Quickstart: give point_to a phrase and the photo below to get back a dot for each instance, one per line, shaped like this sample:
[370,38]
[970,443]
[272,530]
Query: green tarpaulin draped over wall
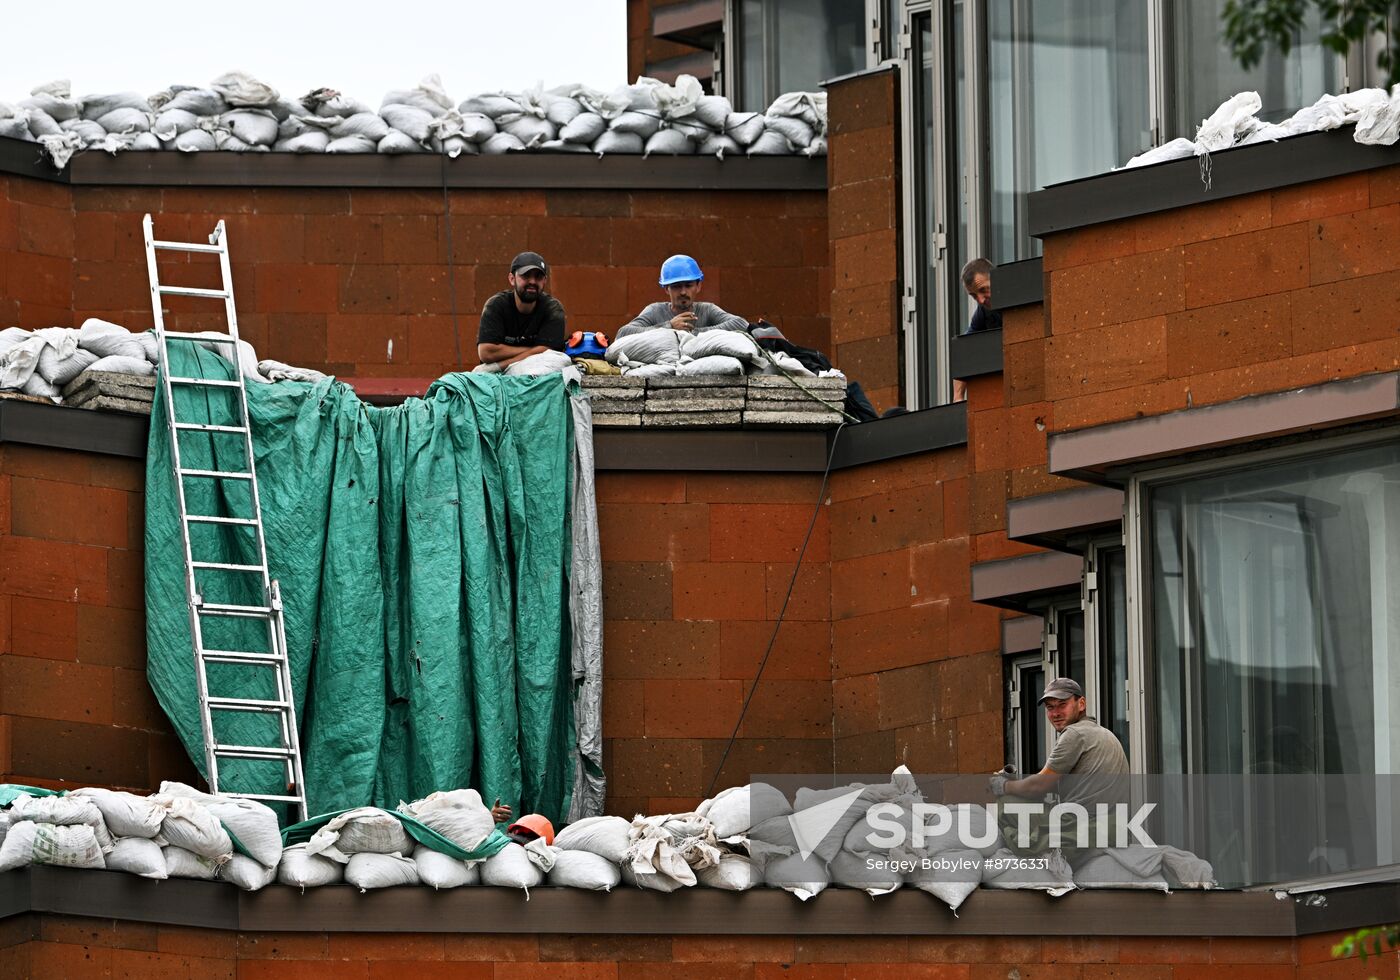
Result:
[424,553]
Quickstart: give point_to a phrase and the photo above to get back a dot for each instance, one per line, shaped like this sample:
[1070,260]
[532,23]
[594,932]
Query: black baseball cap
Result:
[1062,688]
[526,261]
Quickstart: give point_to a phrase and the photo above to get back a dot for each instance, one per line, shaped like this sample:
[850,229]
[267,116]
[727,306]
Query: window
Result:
[793,45]
[1025,722]
[1109,606]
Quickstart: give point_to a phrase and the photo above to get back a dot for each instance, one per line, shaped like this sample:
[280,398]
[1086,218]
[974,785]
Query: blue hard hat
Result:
[680,268]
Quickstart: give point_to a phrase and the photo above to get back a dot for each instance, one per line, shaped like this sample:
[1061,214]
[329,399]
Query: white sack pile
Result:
[1375,114]
[238,113]
[663,352]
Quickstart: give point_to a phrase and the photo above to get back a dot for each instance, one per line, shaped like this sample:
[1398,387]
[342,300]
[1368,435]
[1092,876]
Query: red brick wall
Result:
[863,216]
[59,946]
[916,670]
[74,701]
[328,278]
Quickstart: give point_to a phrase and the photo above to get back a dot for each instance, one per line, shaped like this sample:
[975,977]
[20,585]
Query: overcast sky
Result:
[362,48]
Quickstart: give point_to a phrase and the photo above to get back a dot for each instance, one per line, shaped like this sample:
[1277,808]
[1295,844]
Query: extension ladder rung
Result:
[186,247]
[195,291]
[217,474]
[268,798]
[252,752]
[233,611]
[211,519]
[208,337]
[205,427]
[227,566]
[247,704]
[248,659]
[205,382]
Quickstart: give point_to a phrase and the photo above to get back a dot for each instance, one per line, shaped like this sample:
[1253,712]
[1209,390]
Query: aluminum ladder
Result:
[268,611]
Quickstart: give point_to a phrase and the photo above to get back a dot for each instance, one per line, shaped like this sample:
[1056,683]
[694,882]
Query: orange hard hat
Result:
[534,825]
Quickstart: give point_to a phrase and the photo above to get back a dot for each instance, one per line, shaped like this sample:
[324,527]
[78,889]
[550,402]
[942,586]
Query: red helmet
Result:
[530,826]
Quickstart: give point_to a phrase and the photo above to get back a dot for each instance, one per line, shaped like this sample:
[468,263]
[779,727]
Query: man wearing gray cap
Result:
[1083,749]
[523,319]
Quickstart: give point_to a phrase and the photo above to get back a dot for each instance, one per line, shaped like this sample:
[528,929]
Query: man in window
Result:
[681,278]
[522,320]
[977,281]
[1085,751]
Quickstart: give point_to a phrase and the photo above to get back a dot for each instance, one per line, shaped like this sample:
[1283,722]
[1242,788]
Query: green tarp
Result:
[423,553]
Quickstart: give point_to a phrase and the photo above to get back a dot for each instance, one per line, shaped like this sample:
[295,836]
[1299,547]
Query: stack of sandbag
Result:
[589,853]
[663,352]
[711,401]
[370,846]
[798,401]
[42,362]
[56,830]
[614,399]
[238,113]
[665,852]
[135,824]
[213,836]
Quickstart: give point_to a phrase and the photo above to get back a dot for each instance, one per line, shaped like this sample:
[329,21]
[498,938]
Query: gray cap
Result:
[1061,688]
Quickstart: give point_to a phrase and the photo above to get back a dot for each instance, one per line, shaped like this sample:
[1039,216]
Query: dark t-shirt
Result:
[502,323]
[984,319]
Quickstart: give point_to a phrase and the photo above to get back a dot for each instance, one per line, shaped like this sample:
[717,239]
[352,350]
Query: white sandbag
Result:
[582,869]
[731,343]
[660,345]
[816,148]
[39,388]
[713,111]
[454,146]
[1177,149]
[149,345]
[511,867]
[745,128]
[368,124]
[278,371]
[397,142]
[1379,123]
[669,142]
[126,814]
[529,130]
[1103,871]
[256,127]
[718,146]
[612,142]
[198,101]
[352,144]
[61,148]
[1049,872]
[312,141]
[715,364]
[1220,129]
[125,120]
[849,870]
[366,829]
[810,107]
[181,863]
[226,141]
[444,871]
[145,143]
[27,842]
[734,873]
[284,109]
[41,123]
[253,823]
[247,874]
[138,856]
[559,146]
[561,110]
[97,106]
[459,815]
[489,104]
[545,362]
[114,143]
[14,123]
[950,876]
[831,842]
[241,89]
[188,824]
[119,364]
[304,870]
[84,129]
[415,123]
[797,132]
[173,122]
[500,144]
[583,128]
[63,811]
[366,871]
[643,124]
[804,877]
[738,808]
[58,369]
[649,882]
[606,837]
[476,127]
[105,339]
[771,144]
[195,141]
[54,99]
[329,103]
[432,102]
[649,370]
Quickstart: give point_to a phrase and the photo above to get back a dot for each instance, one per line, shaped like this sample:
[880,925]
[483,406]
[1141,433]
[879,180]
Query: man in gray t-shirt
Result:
[681,278]
[1084,750]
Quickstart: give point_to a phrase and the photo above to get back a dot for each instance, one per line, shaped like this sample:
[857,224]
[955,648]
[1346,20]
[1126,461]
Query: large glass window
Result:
[1205,74]
[793,45]
[1068,97]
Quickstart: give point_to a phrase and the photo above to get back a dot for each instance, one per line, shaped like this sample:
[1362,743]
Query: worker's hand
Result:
[683,321]
[500,812]
[997,784]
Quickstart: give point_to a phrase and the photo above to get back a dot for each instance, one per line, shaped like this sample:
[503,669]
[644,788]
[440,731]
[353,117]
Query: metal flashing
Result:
[1049,519]
[974,354]
[1018,284]
[1017,583]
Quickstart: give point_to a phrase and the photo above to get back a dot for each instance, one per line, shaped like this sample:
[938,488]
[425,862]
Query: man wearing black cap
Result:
[523,319]
[1083,749]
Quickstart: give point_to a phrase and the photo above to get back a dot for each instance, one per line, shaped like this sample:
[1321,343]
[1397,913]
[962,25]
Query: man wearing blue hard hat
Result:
[681,278]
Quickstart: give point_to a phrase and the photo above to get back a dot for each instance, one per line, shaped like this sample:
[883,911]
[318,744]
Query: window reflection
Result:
[793,45]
